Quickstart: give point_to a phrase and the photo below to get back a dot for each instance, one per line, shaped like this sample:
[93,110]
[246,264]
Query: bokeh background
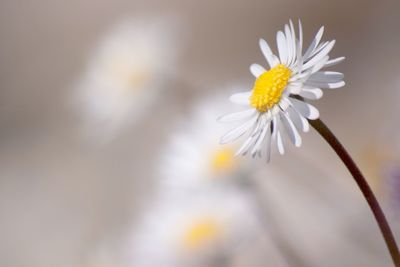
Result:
[73,190]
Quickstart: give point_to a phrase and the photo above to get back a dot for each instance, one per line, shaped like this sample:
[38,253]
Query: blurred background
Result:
[108,152]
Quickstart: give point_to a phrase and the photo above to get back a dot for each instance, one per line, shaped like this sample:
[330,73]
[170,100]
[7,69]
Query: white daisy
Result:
[276,102]
[193,231]
[126,73]
[193,157]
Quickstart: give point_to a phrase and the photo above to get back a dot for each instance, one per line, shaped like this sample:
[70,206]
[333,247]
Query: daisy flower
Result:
[276,102]
[193,231]
[126,73]
[193,157]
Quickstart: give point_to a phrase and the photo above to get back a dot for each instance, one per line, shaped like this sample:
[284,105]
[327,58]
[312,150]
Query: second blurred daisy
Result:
[126,73]
[194,157]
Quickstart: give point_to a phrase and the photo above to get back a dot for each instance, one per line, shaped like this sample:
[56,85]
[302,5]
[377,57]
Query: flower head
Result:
[276,102]
[193,158]
[194,230]
[126,73]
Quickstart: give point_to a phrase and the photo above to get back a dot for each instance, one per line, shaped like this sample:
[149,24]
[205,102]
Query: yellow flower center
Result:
[223,161]
[131,76]
[201,233]
[268,88]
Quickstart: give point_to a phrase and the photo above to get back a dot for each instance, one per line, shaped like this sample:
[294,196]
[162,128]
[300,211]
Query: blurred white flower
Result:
[198,230]
[273,106]
[126,74]
[193,157]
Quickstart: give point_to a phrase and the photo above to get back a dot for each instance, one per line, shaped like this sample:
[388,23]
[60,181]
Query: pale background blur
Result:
[60,196]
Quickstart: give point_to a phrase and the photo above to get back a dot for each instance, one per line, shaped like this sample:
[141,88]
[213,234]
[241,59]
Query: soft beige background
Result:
[59,196]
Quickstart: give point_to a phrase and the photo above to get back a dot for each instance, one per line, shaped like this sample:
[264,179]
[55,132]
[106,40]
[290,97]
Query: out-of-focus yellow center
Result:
[127,74]
[201,233]
[223,160]
[269,86]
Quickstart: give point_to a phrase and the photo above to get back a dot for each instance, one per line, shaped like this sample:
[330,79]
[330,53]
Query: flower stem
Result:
[324,131]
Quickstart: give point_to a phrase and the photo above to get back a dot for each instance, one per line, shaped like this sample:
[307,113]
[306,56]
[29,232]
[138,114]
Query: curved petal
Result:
[294,88]
[267,144]
[300,44]
[240,98]
[326,77]
[334,62]
[319,65]
[280,144]
[299,49]
[294,42]
[237,132]
[299,121]
[260,139]
[312,93]
[289,45]
[291,130]
[305,109]
[237,116]
[257,70]
[314,43]
[326,85]
[319,48]
[282,47]
[267,52]
[244,148]
[319,56]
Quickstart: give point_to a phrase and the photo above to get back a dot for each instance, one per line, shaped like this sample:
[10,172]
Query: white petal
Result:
[334,61]
[267,144]
[300,42]
[275,60]
[336,85]
[267,52]
[282,48]
[319,56]
[319,48]
[305,109]
[305,123]
[301,76]
[326,77]
[237,116]
[257,126]
[257,70]
[327,85]
[237,132]
[289,45]
[294,42]
[240,98]
[257,131]
[312,94]
[276,135]
[279,141]
[260,139]
[294,88]
[291,130]
[299,121]
[314,43]
[319,65]
[245,146]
